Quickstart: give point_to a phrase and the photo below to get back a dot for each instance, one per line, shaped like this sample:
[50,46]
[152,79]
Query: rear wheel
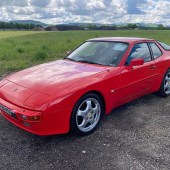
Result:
[165,86]
[86,114]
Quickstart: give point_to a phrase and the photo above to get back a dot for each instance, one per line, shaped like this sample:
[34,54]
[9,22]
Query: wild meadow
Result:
[22,49]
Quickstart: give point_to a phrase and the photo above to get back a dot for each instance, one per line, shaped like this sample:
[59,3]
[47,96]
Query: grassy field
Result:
[22,49]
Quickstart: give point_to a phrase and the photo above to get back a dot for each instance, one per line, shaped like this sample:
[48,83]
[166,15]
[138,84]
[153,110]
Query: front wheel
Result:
[165,86]
[86,114]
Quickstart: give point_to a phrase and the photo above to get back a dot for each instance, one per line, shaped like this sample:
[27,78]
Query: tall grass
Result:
[22,49]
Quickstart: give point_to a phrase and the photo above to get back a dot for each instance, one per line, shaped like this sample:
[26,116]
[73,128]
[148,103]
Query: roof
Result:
[121,39]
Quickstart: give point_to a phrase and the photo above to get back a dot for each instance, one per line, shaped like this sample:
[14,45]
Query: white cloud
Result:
[96,5]
[100,11]
[20,3]
[40,3]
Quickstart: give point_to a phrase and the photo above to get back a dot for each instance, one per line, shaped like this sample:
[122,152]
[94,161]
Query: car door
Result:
[137,80]
[161,67]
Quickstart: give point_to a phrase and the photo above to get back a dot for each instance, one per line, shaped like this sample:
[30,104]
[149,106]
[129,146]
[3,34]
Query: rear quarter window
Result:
[155,50]
[165,46]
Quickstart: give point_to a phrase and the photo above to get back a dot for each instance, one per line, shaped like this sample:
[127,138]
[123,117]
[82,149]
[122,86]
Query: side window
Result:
[155,49]
[140,50]
[165,46]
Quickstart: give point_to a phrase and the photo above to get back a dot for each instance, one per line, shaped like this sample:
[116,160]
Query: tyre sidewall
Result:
[162,90]
[73,124]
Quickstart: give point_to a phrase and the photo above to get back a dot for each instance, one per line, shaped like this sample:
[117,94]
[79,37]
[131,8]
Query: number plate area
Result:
[8,111]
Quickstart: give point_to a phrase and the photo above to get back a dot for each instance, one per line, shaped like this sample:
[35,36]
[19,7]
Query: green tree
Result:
[161,27]
[131,26]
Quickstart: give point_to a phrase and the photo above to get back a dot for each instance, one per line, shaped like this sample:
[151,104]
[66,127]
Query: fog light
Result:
[23,117]
[31,117]
[26,124]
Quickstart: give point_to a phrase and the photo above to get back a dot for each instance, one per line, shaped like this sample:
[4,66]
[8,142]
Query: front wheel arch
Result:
[73,125]
[100,96]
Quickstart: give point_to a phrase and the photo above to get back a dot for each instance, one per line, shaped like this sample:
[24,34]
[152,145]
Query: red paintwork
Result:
[52,89]
[137,62]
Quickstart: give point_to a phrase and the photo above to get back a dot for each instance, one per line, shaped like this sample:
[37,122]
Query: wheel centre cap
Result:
[89,115]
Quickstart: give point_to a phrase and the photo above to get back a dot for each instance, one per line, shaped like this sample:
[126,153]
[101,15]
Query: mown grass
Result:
[7,34]
[22,49]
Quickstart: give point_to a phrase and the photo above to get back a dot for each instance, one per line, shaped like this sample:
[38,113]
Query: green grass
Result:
[22,49]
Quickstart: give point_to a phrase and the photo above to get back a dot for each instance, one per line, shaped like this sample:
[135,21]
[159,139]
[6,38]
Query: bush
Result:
[20,50]
[40,56]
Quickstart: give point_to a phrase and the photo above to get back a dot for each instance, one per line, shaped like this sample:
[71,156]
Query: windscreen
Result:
[96,52]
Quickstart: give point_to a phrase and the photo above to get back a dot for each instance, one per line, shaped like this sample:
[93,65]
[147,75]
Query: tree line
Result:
[104,27]
[65,27]
[17,26]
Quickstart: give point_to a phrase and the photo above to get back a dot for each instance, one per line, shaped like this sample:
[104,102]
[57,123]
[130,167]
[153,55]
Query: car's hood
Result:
[53,77]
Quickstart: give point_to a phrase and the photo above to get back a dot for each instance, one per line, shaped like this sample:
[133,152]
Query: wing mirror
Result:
[136,62]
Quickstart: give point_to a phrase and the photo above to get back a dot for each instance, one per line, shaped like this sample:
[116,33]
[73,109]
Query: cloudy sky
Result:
[98,11]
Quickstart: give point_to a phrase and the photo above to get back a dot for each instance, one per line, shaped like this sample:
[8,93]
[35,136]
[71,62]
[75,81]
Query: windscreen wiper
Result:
[83,61]
[89,62]
[70,59]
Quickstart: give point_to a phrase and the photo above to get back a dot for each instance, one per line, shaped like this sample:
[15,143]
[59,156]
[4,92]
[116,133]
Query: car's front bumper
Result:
[56,122]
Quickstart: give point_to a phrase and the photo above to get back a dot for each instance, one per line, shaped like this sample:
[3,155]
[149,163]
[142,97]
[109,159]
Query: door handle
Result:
[152,67]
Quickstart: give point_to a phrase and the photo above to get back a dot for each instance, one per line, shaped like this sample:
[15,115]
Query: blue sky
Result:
[98,11]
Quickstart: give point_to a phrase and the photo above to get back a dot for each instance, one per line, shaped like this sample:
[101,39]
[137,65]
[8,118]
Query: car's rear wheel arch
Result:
[161,90]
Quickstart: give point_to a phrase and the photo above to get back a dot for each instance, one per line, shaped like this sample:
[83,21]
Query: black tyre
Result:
[86,114]
[164,90]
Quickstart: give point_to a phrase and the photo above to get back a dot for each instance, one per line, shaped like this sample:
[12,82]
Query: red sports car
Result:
[74,93]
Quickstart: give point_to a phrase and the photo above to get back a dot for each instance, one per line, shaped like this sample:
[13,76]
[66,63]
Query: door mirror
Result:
[136,62]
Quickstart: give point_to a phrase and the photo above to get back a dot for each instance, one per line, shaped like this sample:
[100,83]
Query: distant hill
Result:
[83,24]
[147,25]
[87,24]
[115,24]
[30,22]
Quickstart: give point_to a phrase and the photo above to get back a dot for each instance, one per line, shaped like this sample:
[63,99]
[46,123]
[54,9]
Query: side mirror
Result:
[136,62]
